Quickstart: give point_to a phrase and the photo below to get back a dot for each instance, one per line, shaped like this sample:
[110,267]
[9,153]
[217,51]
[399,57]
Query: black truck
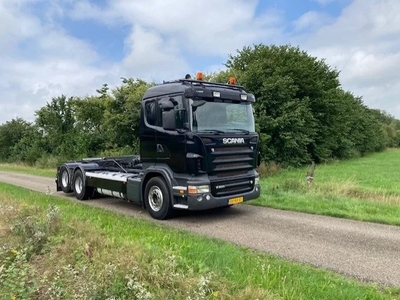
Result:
[198,150]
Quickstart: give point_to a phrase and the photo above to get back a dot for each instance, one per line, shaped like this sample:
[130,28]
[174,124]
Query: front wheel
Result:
[157,199]
[81,191]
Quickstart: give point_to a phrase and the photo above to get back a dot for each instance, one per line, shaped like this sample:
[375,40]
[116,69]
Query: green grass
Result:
[21,168]
[364,189]
[136,258]
[378,172]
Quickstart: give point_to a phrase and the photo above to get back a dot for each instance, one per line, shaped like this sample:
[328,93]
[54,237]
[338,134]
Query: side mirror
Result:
[173,100]
[166,105]
[168,119]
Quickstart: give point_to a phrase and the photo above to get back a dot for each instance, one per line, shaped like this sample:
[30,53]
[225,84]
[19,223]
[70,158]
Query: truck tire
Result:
[81,191]
[64,180]
[157,199]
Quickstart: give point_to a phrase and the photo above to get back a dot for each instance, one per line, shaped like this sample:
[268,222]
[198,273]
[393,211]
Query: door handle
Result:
[160,148]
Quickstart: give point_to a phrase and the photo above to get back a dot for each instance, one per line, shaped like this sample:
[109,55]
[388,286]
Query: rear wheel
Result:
[81,191]
[65,180]
[157,199]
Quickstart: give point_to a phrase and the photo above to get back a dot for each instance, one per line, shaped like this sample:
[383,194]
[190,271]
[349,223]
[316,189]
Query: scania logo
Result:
[233,140]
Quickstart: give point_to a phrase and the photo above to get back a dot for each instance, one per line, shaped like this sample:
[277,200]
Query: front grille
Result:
[228,162]
[229,166]
[231,160]
[230,149]
[230,173]
[232,187]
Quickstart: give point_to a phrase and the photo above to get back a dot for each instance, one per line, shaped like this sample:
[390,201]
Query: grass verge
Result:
[53,248]
[365,189]
[20,168]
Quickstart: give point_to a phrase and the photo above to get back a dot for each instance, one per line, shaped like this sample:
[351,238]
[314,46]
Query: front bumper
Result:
[208,201]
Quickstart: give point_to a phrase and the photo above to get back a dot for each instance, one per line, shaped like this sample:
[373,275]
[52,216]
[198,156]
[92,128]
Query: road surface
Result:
[366,251]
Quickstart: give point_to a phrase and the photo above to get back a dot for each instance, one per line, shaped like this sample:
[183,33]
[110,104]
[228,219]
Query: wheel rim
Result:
[155,198]
[78,185]
[64,178]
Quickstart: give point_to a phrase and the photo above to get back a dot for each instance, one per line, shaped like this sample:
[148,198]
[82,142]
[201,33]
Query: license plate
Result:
[235,200]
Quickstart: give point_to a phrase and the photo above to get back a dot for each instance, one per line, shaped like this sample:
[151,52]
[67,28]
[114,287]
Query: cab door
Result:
[148,131]
[171,144]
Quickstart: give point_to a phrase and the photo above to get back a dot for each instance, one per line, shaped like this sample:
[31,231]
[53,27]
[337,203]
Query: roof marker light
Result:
[199,76]
[232,80]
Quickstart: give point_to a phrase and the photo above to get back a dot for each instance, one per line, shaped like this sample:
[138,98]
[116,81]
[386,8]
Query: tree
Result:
[89,114]
[10,134]
[29,147]
[57,124]
[122,115]
[302,113]
[291,89]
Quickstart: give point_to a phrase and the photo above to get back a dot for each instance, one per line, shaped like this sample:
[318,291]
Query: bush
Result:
[269,169]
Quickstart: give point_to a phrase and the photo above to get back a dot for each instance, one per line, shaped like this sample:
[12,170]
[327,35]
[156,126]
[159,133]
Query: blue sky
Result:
[72,47]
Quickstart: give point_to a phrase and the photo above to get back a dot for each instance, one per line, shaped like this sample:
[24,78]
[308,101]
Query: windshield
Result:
[221,116]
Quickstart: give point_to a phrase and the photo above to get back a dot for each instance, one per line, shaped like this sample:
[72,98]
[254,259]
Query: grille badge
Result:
[233,140]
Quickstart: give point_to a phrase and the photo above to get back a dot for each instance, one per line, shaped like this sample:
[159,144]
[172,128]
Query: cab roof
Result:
[182,85]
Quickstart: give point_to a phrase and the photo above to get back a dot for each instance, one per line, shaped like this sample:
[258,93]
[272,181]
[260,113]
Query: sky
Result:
[72,47]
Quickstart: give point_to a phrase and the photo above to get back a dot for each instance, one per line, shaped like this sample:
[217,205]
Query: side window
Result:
[151,114]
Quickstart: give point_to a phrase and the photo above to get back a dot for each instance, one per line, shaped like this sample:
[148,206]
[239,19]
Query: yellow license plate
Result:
[235,200]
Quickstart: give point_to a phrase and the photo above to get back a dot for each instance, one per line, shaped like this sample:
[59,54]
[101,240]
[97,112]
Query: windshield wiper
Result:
[240,129]
[216,131]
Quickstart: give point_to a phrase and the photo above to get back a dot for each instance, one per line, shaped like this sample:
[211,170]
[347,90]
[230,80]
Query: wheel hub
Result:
[155,198]
[78,185]
[64,178]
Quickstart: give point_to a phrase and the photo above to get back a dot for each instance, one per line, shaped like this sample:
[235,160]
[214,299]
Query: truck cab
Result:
[198,150]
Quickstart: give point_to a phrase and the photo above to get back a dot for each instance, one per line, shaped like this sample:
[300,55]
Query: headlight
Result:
[198,189]
[257,180]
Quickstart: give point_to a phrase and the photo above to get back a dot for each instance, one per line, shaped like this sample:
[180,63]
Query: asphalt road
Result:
[366,251]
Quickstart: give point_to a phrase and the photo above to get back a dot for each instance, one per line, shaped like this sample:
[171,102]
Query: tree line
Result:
[302,115]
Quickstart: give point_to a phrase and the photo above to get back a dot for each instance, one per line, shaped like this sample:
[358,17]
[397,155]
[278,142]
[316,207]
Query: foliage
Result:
[33,230]
[123,113]
[302,114]
[301,110]
[17,140]
[97,254]
[72,128]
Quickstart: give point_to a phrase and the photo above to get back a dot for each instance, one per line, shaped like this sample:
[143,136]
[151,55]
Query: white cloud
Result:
[167,37]
[40,61]
[311,20]
[13,27]
[363,43]
[86,10]
[147,52]
[205,27]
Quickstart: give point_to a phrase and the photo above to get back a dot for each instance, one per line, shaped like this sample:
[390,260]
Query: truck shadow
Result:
[219,213]
[131,209]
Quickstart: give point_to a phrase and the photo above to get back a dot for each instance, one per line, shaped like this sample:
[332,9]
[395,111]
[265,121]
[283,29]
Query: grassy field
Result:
[20,168]
[57,249]
[366,189]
